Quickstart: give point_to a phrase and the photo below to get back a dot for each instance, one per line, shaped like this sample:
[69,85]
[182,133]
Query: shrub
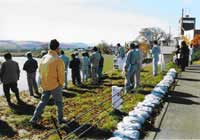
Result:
[196,55]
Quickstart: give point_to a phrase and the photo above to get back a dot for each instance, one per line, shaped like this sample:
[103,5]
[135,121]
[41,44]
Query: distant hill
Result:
[35,45]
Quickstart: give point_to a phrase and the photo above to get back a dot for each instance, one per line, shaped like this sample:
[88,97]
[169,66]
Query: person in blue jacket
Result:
[85,61]
[131,67]
[155,55]
[66,62]
[121,51]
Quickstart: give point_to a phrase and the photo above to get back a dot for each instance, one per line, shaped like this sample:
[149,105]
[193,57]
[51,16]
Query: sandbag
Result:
[147,103]
[144,114]
[160,90]
[157,94]
[129,126]
[130,134]
[117,138]
[152,101]
[133,119]
[153,97]
[144,108]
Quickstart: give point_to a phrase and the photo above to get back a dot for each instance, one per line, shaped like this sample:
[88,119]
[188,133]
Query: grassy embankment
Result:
[14,122]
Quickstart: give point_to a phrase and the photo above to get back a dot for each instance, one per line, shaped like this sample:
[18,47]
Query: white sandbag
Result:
[151,96]
[160,90]
[144,114]
[133,135]
[151,101]
[168,79]
[144,108]
[173,75]
[129,126]
[157,94]
[133,119]
[141,119]
[172,70]
[163,83]
[117,138]
[116,97]
[148,103]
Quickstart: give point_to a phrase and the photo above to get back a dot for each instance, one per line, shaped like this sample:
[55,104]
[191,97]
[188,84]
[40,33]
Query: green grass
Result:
[108,63]
[77,100]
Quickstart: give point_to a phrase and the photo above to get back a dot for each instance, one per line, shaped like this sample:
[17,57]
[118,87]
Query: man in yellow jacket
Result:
[52,76]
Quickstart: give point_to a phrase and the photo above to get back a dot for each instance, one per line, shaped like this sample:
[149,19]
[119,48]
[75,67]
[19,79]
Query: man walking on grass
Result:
[52,76]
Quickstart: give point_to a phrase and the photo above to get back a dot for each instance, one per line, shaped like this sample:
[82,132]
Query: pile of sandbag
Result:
[129,128]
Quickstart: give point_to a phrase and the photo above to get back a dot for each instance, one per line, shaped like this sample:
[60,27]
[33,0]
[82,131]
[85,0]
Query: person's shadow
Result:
[87,131]
[22,108]
[6,130]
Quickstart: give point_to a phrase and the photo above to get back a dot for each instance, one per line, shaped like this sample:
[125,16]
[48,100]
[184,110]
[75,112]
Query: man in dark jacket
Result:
[184,55]
[30,66]
[74,65]
[9,74]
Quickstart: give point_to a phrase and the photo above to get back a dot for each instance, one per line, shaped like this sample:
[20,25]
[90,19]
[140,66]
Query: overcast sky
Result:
[88,21]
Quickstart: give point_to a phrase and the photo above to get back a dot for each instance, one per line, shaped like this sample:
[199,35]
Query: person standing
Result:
[52,76]
[184,55]
[30,66]
[178,50]
[89,65]
[155,53]
[66,62]
[85,67]
[131,67]
[139,54]
[100,69]
[94,59]
[121,51]
[74,65]
[9,74]
[191,52]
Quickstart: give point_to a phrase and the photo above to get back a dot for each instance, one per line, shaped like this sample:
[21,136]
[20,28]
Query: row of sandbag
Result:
[130,126]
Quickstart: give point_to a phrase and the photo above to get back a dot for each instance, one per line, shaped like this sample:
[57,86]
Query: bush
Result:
[196,55]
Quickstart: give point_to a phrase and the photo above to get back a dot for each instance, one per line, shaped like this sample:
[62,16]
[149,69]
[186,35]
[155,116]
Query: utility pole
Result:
[182,31]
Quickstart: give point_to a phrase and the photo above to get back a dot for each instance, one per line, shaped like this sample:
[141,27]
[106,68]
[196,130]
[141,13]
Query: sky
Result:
[89,21]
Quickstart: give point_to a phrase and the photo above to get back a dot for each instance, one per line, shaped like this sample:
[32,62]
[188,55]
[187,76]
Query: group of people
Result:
[184,55]
[89,65]
[133,63]
[53,70]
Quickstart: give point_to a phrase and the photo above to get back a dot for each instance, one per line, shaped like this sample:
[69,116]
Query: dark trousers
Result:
[32,83]
[76,76]
[184,63]
[13,87]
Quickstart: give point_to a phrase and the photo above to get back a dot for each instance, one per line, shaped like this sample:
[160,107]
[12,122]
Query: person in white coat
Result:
[155,55]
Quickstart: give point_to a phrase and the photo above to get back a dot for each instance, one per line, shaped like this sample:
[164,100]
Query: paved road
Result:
[181,117]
